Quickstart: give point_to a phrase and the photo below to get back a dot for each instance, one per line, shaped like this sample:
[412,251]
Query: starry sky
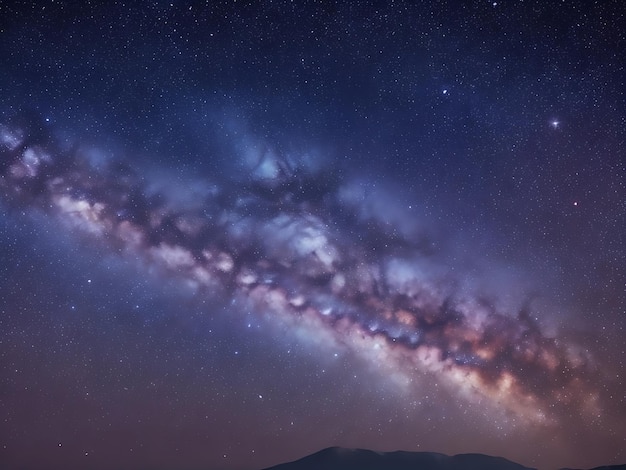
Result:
[235,233]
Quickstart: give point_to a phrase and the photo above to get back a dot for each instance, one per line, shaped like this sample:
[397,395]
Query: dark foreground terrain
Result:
[336,458]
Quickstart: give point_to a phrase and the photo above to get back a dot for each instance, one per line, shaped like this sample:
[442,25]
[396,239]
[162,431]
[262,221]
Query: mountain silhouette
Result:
[337,458]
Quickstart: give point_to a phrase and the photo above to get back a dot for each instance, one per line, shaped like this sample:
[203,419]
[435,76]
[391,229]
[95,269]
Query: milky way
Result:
[235,233]
[303,248]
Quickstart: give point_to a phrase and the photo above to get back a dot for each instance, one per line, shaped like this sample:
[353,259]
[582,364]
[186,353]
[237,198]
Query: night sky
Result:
[235,233]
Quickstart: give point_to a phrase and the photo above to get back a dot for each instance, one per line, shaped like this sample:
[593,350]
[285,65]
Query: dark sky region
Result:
[235,233]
